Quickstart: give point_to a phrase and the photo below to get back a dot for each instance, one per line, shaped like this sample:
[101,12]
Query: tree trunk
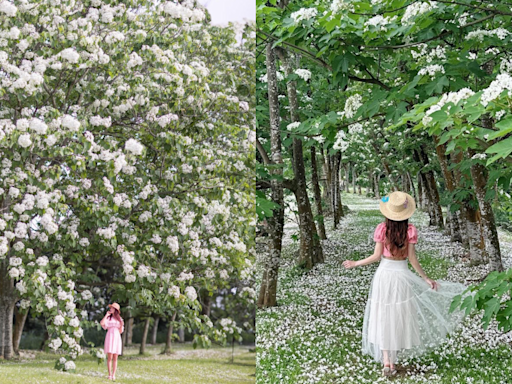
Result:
[370,187]
[492,244]
[476,245]
[19,324]
[470,222]
[346,182]
[354,177]
[432,187]
[420,192]
[168,340]
[411,186]
[7,303]
[46,337]
[181,335]
[129,331]
[206,302]
[376,185]
[450,186]
[318,195]
[310,247]
[337,207]
[268,289]
[155,330]
[328,175]
[144,336]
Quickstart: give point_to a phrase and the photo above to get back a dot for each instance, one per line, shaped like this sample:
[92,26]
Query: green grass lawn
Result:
[185,365]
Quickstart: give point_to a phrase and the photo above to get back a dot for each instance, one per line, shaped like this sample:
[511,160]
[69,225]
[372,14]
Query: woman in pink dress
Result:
[114,324]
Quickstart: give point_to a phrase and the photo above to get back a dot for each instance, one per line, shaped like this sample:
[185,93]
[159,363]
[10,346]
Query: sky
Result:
[223,11]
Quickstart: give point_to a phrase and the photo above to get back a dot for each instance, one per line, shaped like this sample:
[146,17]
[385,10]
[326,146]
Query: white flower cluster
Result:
[303,74]
[70,55]
[21,287]
[4,246]
[185,276]
[134,61]
[86,295]
[172,243]
[500,114]
[264,79]
[8,8]
[355,128]
[479,156]
[506,65]
[503,82]
[416,9]
[379,22]
[134,147]
[293,126]
[178,11]
[69,365]
[174,291]
[191,293]
[229,325]
[100,354]
[450,97]
[479,34]
[55,343]
[49,226]
[431,70]
[98,120]
[303,14]
[338,6]
[352,105]
[340,143]
[70,123]
[439,52]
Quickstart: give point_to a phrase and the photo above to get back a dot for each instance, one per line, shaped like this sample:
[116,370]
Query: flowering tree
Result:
[416,96]
[127,150]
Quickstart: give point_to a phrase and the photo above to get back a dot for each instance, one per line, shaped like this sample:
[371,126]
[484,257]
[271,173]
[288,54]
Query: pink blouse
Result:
[380,236]
[113,324]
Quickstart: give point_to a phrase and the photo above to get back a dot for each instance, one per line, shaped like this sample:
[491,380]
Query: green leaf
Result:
[455,303]
[504,126]
[501,149]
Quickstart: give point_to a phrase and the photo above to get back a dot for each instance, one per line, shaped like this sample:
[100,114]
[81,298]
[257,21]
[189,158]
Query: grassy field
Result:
[184,366]
[314,334]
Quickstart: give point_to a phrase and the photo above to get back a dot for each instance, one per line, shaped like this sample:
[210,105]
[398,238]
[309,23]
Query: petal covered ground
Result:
[314,334]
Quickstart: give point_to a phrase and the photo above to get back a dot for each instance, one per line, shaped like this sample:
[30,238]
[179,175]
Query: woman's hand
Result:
[433,284]
[349,264]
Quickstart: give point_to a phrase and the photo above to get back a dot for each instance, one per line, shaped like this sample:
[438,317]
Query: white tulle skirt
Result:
[404,317]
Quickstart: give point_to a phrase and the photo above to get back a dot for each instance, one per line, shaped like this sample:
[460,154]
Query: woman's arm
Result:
[121,328]
[416,265]
[377,252]
[103,321]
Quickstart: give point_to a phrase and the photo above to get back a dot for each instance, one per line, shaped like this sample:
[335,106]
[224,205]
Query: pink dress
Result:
[113,342]
[380,236]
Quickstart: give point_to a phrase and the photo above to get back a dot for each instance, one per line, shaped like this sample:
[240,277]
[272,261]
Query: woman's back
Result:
[380,237]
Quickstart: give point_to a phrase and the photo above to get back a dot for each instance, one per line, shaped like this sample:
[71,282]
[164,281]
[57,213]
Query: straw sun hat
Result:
[116,306]
[397,206]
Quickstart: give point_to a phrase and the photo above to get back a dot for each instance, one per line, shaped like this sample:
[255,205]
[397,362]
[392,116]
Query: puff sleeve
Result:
[380,233]
[412,234]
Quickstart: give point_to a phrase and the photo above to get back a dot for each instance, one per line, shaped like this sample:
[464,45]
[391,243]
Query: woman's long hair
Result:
[396,237]
[116,315]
